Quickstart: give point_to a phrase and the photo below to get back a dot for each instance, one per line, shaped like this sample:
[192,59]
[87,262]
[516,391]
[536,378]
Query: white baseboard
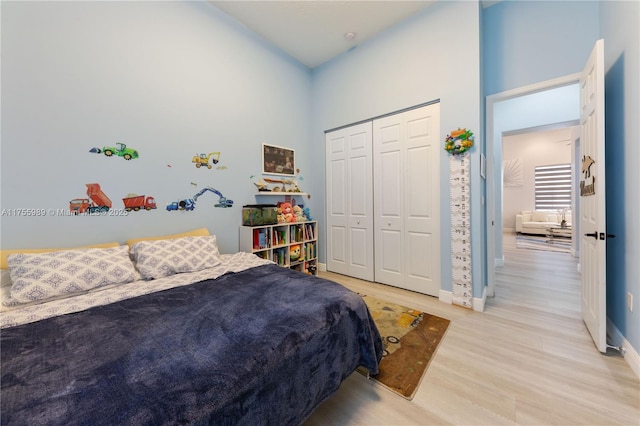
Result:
[322,267]
[477,303]
[445,296]
[630,354]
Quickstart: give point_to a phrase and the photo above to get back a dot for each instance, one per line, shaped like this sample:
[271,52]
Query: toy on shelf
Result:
[295,252]
[307,213]
[298,214]
[282,185]
[285,213]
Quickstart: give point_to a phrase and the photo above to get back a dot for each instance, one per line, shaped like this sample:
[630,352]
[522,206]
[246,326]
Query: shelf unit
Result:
[279,243]
[293,194]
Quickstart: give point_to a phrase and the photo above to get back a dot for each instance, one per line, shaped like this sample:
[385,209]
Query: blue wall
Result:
[619,27]
[171,79]
[526,42]
[420,60]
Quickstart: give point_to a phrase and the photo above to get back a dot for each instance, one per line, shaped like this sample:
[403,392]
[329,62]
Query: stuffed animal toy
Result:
[299,215]
[287,212]
[307,213]
[294,252]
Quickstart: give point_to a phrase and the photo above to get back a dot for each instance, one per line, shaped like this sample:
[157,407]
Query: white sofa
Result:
[537,222]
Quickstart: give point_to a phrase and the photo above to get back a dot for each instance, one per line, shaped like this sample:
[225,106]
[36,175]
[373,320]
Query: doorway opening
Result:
[550,104]
[538,190]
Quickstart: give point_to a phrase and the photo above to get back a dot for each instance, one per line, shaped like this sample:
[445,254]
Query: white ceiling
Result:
[313,31]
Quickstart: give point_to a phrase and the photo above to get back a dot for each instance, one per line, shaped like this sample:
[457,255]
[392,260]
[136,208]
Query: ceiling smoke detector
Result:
[350,36]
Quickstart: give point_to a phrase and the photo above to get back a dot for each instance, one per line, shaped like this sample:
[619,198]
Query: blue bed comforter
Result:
[262,346]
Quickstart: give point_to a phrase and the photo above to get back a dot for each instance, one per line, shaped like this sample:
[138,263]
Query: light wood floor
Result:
[528,359]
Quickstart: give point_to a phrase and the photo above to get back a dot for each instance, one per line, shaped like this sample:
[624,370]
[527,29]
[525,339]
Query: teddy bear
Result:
[287,212]
[299,215]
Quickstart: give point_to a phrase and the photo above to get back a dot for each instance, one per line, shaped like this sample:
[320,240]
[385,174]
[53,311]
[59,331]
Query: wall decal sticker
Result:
[222,201]
[136,202]
[189,204]
[203,159]
[120,150]
[97,201]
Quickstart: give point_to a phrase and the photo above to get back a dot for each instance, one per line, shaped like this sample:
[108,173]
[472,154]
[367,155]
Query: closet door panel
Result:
[337,216]
[389,261]
[350,201]
[360,247]
[388,206]
[422,200]
[360,201]
[419,247]
[407,199]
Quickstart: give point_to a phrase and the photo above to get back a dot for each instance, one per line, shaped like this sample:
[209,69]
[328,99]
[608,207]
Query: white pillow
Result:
[162,258]
[43,276]
[5,278]
[539,217]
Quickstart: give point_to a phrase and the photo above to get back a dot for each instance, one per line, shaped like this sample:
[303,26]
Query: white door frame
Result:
[494,182]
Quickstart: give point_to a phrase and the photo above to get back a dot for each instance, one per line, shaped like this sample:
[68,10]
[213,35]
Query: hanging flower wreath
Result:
[459,141]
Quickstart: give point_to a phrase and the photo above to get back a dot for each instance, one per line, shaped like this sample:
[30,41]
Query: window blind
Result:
[553,187]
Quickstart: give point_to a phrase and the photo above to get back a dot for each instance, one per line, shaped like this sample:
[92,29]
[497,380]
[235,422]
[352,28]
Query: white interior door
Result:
[593,203]
[407,199]
[422,200]
[388,183]
[350,201]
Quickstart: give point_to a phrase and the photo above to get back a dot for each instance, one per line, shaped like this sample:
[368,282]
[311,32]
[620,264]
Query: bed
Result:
[240,342]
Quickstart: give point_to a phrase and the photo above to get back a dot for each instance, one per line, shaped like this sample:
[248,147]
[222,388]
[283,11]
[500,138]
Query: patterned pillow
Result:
[161,258]
[43,276]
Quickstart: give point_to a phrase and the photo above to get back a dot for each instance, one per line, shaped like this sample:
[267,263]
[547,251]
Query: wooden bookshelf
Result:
[290,245]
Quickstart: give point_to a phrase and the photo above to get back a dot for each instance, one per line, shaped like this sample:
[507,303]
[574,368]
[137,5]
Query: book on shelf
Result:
[311,250]
[309,234]
[278,237]
[260,238]
[296,234]
[279,257]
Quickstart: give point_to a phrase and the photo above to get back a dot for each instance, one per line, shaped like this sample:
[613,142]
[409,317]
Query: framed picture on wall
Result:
[277,160]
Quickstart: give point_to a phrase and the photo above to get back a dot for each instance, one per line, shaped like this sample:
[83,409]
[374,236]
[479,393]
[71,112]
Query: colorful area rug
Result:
[410,339]
[536,242]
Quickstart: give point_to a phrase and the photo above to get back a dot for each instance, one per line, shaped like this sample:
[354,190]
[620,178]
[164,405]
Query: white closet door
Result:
[407,199]
[422,200]
[388,194]
[350,201]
